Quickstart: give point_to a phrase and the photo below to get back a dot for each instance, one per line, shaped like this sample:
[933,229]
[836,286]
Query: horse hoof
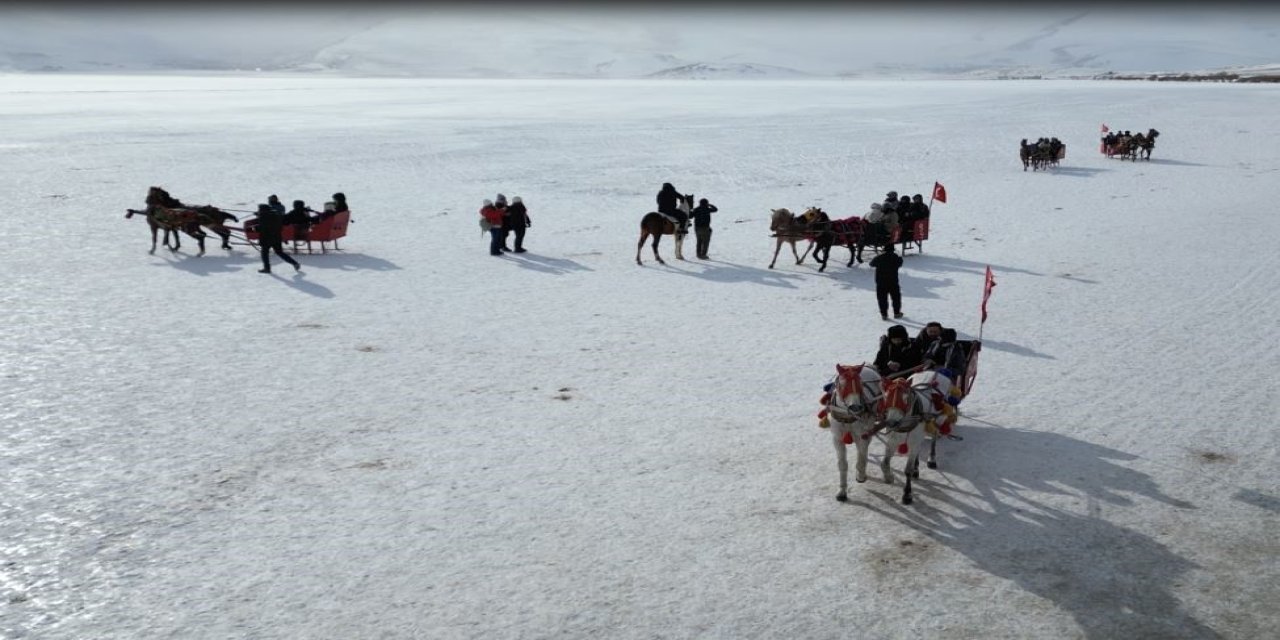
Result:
[906,499]
[931,464]
[860,480]
[842,498]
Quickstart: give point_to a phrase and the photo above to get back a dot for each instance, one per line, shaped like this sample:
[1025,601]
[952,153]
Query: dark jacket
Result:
[517,216]
[905,354]
[298,216]
[886,266]
[702,215]
[277,207]
[667,200]
[950,355]
[270,226]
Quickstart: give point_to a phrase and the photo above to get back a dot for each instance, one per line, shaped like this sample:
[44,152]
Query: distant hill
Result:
[632,43]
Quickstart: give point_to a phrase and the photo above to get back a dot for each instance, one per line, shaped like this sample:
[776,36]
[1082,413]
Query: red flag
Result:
[986,292]
[1105,128]
[939,192]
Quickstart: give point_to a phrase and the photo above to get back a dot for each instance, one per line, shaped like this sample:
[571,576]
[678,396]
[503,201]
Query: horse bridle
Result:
[913,413]
[836,408]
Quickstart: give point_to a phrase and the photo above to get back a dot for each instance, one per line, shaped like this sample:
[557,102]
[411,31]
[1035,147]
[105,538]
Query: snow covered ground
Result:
[414,439]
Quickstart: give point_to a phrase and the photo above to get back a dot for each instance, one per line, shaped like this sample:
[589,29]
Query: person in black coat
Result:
[886,266]
[897,352]
[300,217]
[669,204]
[270,237]
[517,215]
[702,226]
[947,356]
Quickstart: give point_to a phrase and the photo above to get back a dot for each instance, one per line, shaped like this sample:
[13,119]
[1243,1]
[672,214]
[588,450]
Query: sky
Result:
[635,40]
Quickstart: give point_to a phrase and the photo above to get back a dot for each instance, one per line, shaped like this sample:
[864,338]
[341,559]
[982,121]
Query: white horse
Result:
[850,401]
[788,227]
[910,410]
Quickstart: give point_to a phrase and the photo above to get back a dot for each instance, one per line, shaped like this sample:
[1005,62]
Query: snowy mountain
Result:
[706,71]
[630,43]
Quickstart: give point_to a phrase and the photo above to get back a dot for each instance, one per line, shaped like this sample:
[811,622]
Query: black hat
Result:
[897,331]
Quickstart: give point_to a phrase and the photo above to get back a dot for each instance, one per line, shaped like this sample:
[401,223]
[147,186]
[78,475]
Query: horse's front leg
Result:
[850,247]
[776,249]
[842,462]
[800,258]
[860,463]
[911,471]
[932,463]
[679,246]
[886,459]
[153,239]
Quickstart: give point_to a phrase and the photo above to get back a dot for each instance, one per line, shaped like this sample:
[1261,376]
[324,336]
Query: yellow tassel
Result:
[824,423]
[931,427]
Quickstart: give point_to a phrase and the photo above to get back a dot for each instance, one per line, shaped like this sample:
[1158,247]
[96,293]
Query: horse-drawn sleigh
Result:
[168,214]
[902,410]
[854,233]
[1041,154]
[1129,147]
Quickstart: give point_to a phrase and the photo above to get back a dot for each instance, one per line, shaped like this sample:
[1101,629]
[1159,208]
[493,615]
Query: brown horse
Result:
[168,213]
[790,228]
[1147,143]
[657,225]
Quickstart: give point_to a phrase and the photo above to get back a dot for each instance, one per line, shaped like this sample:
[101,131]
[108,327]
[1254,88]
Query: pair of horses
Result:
[860,405]
[166,213]
[822,233]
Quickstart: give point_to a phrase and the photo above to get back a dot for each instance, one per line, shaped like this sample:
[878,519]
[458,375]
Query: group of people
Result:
[502,219]
[272,218]
[668,200]
[934,348]
[884,217]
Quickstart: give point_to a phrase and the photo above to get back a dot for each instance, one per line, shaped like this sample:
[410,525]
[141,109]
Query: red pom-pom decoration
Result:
[826,398]
[822,414]
[848,438]
[903,449]
[946,428]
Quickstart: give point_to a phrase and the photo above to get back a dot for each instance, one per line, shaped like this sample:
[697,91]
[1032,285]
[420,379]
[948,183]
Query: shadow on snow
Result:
[1115,582]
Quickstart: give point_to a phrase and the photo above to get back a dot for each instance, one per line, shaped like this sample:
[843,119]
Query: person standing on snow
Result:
[492,222]
[702,226]
[517,217]
[886,266]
